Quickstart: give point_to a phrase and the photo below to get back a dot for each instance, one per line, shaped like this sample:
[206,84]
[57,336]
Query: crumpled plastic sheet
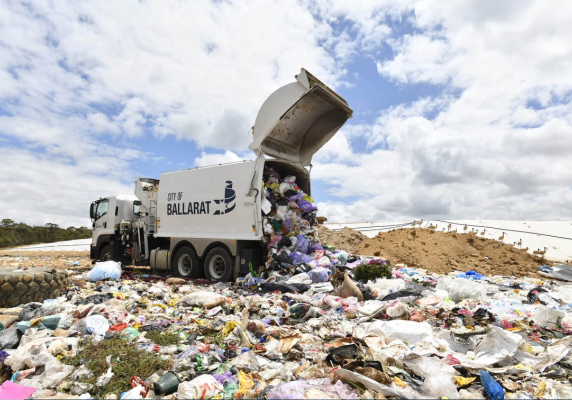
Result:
[313,389]
[9,390]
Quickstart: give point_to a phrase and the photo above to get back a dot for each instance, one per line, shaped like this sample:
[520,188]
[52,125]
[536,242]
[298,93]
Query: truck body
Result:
[207,221]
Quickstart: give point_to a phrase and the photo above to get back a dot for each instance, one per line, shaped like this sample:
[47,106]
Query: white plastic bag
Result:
[300,278]
[284,187]
[104,270]
[460,289]
[396,310]
[410,332]
[105,378]
[202,387]
[382,287]
[134,393]
[439,385]
[96,324]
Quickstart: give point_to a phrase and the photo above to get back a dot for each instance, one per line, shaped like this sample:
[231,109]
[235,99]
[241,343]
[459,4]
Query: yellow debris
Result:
[229,327]
[461,381]
[398,381]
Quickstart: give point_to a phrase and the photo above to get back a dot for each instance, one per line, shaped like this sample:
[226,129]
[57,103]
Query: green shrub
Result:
[370,272]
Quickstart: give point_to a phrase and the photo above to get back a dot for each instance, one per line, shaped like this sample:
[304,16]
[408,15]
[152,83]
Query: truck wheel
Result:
[105,253]
[218,265]
[186,263]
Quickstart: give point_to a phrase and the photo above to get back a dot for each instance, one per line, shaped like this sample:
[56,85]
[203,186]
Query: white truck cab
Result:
[208,221]
[107,214]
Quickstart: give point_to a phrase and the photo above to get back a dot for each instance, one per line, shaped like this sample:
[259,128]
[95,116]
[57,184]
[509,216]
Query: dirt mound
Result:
[346,239]
[438,251]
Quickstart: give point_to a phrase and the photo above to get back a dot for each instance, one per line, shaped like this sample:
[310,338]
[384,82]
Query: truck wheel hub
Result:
[217,267]
[185,264]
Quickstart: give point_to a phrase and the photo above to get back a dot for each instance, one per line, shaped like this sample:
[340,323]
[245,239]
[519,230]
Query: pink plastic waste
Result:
[10,390]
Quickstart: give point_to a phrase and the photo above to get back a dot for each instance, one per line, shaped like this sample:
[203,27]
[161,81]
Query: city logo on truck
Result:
[176,205]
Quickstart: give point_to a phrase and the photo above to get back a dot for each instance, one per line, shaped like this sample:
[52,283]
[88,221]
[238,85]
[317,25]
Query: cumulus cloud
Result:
[220,158]
[494,141]
[82,85]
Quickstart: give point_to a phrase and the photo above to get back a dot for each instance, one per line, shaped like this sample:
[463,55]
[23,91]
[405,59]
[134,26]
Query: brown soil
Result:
[54,259]
[438,251]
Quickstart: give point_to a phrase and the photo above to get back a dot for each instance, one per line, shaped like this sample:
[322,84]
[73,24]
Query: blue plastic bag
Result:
[493,388]
[319,274]
[303,243]
[306,206]
[105,270]
[473,275]
[314,247]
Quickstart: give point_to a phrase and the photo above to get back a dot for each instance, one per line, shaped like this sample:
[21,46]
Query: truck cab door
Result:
[103,216]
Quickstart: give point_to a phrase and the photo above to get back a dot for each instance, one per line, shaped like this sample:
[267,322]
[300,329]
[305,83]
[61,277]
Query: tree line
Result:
[14,234]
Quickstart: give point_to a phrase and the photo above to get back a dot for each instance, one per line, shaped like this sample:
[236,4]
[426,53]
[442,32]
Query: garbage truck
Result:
[207,221]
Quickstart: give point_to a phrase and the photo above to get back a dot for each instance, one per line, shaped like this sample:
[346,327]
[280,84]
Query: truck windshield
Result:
[102,208]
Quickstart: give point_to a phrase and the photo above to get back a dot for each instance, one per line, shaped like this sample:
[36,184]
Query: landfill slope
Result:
[439,252]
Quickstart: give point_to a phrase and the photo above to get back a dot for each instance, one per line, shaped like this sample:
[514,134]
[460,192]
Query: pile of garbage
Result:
[420,334]
[312,322]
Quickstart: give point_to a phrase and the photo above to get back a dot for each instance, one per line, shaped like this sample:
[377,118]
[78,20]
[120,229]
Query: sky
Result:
[462,110]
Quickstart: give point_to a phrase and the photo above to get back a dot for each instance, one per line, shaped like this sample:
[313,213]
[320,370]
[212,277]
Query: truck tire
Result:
[218,265]
[35,285]
[105,253]
[186,263]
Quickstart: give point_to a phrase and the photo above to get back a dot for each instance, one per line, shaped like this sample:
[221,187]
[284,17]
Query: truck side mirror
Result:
[136,206]
[92,210]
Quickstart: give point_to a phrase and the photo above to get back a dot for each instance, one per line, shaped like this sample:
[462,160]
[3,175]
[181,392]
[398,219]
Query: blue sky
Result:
[461,110]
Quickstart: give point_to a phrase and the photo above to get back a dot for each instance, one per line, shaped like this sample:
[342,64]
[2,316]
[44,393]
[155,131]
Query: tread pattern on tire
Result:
[31,285]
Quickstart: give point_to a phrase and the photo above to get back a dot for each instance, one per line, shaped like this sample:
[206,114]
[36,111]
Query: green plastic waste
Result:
[130,333]
[252,271]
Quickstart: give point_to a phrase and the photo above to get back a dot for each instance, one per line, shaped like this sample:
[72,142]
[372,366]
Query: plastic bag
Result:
[203,299]
[493,388]
[303,243]
[460,289]
[105,270]
[313,389]
[306,206]
[96,324]
[303,278]
[410,332]
[249,361]
[342,256]
[319,274]
[103,379]
[369,383]
[30,311]
[54,373]
[396,310]
[135,393]
[284,187]
[202,387]
[10,338]
[438,385]
[382,287]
